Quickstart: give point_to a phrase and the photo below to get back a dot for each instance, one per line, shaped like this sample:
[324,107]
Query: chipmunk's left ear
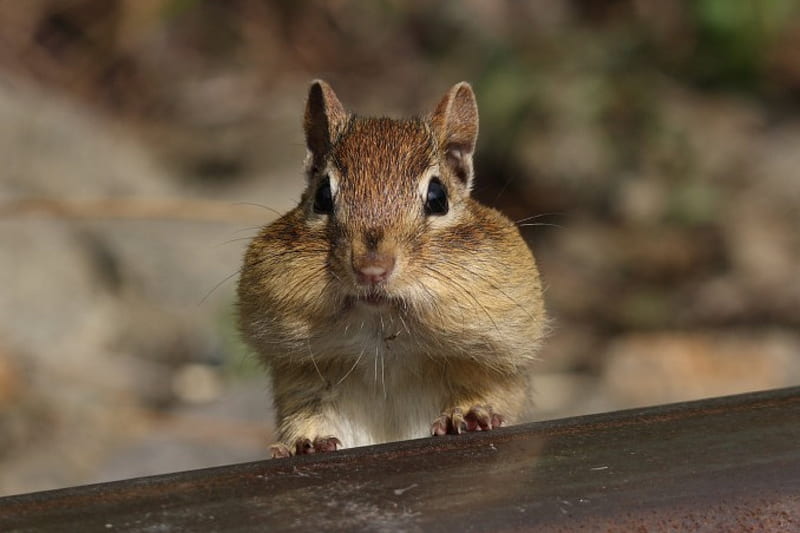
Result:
[455,123]
[324,121]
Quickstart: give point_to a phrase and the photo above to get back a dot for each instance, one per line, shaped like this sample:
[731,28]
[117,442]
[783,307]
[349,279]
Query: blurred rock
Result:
[86,155]
[562,394]
[570,346]
[236,426]
[12,382]
[645,369]
[101,335]
[196,383]
[642,201]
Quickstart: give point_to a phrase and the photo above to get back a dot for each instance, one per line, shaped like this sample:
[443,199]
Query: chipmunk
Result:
[389,304]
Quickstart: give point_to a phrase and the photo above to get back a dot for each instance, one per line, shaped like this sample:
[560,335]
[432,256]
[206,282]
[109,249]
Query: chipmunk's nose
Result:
[372,268]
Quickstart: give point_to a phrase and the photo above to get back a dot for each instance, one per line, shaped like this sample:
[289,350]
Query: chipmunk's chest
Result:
[385,405]
[391,388]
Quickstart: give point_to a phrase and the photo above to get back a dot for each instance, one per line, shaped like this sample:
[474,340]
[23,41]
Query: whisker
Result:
[504,187]
[383,375]
[261,206]
[532,224]
[494,286]
[383,356]
[217,286]
[405,326]
[430,294]
[540,215]
[314,361]
[266,257]
[300,251]
[466,291]
[332,273]
[304,283]
[501,291]
[375,378]
[352,367]
[249,228]
[229,241]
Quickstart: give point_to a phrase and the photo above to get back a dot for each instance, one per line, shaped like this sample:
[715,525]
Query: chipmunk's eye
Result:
[436,198]
[323,198]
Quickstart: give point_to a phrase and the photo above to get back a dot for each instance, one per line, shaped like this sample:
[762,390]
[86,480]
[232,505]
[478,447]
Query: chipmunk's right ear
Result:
[324,121]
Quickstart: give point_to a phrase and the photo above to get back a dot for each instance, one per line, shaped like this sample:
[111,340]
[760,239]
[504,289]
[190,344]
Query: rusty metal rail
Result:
[725,464]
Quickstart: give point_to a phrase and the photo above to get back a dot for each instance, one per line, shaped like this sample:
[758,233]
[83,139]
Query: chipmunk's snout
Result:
[374,258]
[372,267]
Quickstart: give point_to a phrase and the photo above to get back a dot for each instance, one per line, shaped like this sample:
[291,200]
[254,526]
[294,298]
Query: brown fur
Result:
[462,314]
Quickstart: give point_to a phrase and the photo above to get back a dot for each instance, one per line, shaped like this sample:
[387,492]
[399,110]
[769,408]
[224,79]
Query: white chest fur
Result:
[391,391]
[367,416]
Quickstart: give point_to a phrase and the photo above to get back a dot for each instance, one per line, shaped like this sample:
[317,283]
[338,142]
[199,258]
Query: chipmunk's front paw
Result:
[306,447]
[279,451]
[455,422]
[318,445]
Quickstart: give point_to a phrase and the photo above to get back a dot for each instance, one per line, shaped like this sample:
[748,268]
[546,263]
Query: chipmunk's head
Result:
[387,193]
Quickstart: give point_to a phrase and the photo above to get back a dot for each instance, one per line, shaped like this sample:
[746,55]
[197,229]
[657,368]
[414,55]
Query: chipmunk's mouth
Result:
[374,298]
[371,298]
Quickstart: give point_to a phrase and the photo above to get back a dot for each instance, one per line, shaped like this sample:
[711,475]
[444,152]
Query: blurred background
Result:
[651,151]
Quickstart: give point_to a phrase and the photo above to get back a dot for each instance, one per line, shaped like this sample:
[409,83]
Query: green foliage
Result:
[693,203]
[178,7]
[733,39]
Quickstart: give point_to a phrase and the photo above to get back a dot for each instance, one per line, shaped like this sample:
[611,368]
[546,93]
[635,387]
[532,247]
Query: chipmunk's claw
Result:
[455,422]
[483,418]
[306,447]
[449,422]
[318,445]
[279,451]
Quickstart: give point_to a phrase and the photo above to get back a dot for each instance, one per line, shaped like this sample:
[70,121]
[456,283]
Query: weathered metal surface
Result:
[727,464]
